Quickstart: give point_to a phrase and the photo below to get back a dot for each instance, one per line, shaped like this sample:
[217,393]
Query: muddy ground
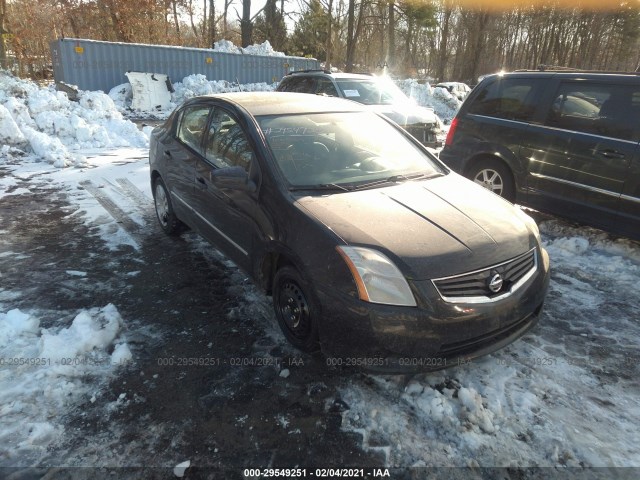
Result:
[236,411]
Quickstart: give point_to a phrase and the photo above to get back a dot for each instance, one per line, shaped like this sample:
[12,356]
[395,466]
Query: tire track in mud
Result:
[141,201]
[137,199]
[119,215]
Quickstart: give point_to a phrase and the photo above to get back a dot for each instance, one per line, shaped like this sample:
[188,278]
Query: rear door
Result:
[628,220]
[181,156]
[579,158]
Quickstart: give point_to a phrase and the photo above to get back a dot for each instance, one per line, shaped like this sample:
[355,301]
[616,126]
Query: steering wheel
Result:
[300,160]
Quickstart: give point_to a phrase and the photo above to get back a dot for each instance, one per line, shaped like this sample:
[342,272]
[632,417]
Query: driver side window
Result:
[227,144]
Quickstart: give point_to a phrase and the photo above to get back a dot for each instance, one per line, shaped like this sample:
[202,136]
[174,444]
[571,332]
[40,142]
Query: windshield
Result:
[376,91]
[347,149]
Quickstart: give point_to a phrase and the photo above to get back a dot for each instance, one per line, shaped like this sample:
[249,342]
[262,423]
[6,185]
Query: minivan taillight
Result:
[452,132]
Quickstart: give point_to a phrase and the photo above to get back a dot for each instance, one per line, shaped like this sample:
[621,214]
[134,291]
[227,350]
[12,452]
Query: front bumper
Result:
[424,133]
[434,335]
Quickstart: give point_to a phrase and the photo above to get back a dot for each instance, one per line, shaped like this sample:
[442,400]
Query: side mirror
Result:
[231,177]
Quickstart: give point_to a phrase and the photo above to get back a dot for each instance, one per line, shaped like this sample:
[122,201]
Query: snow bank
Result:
[46,124]
[197,84]
[44,371]
[191,86]
[440,99]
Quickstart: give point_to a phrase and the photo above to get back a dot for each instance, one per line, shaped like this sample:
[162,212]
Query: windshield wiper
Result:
[321,186]
[396,179]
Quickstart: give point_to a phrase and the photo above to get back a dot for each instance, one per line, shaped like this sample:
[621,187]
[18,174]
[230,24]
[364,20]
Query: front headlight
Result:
[377,278]
[530,222]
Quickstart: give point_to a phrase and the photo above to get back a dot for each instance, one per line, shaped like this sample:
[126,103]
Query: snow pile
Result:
[226,46]
[265,49]
[44,122]
[440,99]
[197,84]
[45,371]
[191,86]
[594,253]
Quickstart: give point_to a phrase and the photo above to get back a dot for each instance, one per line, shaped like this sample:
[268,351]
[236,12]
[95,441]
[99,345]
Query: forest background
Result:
[438,40]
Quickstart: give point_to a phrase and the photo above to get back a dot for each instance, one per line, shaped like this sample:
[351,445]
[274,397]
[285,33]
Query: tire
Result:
[164,209]
[296,309]
[495,176]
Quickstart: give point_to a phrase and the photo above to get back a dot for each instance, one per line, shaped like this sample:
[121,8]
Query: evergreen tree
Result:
[270,26]
[310,34]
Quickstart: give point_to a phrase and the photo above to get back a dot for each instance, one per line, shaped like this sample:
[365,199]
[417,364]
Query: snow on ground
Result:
[46,124]
[44,371]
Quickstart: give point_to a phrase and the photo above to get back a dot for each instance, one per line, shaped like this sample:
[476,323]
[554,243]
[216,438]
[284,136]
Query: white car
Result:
[380,94]
[457,89]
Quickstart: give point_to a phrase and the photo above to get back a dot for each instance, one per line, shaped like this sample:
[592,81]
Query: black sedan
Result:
[372,249]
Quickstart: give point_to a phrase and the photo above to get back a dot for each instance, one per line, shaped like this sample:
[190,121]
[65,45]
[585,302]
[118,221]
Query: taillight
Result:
[451,132]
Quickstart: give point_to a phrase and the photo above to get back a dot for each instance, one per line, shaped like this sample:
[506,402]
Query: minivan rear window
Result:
[509,98]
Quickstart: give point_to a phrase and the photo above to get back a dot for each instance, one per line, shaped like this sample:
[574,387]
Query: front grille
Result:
[475,286]
[423,132]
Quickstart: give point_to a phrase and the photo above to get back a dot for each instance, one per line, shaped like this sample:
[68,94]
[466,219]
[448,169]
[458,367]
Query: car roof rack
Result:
[561,69]
[317,70]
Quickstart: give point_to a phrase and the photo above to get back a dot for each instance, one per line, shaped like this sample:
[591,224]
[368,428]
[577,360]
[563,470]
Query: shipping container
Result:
[97,65]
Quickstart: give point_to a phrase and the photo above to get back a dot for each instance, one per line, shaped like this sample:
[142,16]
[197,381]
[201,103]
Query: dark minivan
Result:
[566,143]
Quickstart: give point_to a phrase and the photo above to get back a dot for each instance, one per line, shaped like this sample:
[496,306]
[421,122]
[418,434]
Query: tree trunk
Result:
[351,41]
[391,34]
[327,62]
[245,23]
[3,51]
[444,40]
[175,19]
[212,24]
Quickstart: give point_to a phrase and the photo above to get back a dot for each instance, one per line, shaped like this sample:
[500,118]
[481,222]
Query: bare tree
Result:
[3,51]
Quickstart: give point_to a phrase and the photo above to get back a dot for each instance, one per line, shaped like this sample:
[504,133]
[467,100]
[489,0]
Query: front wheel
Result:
[164,209]
[494,176]
[295,309]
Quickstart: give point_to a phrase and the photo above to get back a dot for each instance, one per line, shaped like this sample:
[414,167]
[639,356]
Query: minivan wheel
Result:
[164,209]
[295,309]
[493,176]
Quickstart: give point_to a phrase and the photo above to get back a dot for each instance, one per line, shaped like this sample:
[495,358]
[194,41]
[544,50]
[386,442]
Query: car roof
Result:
[570,74]
[321,73]
[279,103]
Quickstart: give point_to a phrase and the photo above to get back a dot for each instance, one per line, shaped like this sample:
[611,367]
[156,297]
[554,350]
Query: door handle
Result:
[609,153]
[202,181]
[167,153]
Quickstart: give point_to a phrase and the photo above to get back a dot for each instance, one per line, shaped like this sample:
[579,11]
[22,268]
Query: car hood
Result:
[431,229]
[406,114]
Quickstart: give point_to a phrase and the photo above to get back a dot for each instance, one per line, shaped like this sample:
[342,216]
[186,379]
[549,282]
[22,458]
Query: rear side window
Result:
[297,84]
[192,126]
[326,87]
[509,98]
[600,109]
